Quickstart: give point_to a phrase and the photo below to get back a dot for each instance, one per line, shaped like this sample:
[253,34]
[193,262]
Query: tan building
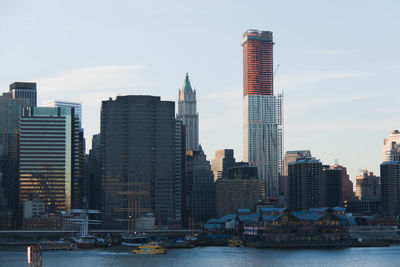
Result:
[224,160]
[368,186]
[242,189]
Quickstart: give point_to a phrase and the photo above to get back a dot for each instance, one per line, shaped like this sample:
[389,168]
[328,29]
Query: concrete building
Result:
[240,190]
[50,158]
[187,112]
[224,160]
[76,105]
[290,156]
[34,209]
[24,90]
[199,189]
[305,185]
[140,160]
[391,147]
[368,186]
[262,111]
[390,187]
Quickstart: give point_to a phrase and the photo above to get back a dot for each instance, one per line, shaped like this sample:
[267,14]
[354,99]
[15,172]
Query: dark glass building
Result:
[305,184]
[333,187]
[24,90]
[390,187]
[140,160]
[199,189]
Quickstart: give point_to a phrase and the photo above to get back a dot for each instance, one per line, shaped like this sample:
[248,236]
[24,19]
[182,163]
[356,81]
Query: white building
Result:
[187,112]
[262,138]
[34,209]
[391,147]
[76,105]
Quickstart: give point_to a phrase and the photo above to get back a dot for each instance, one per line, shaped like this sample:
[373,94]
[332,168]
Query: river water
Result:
[211,256]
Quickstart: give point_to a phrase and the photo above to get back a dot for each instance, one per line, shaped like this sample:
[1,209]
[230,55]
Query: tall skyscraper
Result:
[24,90]
[390,187]
[223,161]
[347,184]
[10,111]
[76,105]
[262,111]
[187,112]
[140,159]
[391,147]
[49,158]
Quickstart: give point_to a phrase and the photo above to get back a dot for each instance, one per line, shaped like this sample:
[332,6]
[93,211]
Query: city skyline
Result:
[336,89]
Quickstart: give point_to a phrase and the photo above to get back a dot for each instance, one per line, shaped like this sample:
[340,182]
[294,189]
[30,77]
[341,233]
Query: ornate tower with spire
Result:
[187,112]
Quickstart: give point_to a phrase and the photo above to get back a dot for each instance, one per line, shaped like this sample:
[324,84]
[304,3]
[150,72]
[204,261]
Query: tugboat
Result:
[152,248]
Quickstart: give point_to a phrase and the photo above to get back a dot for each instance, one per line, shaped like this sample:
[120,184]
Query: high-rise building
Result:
[139,159]
[49,156]
[241,189]
[57,103]
[10,112]
[262,111]
[390,187]
[368,186]
[332,187]
[24,90]
[347,184]
[93,189]
[187,112]
[199,189]
[391,147]
[223,161]
[290,156]
[305,184]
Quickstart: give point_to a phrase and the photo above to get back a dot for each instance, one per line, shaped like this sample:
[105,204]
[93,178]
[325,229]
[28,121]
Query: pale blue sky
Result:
[339,64]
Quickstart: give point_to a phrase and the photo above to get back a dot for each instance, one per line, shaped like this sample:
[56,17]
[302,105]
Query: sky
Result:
[339,64]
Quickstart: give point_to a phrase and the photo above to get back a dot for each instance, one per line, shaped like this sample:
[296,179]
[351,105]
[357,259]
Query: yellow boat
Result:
[235,242]
[151,248]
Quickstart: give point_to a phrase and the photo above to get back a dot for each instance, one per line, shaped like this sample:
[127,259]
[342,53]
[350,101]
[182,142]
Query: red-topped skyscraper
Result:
[262,111]
[258,63]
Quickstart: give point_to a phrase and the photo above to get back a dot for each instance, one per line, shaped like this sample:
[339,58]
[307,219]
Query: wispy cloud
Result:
[296,80]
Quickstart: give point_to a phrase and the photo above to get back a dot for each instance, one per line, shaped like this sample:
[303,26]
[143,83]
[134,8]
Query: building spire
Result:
[186,84]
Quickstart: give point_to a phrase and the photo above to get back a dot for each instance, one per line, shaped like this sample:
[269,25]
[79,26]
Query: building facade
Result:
[24,90]
[305,184]
[391,147]
[10,112]
[187,112]
[262,111]
[332,191]
[224,159]
[49,155]
[240,190]
[139,160]
[390,187]
[347,184]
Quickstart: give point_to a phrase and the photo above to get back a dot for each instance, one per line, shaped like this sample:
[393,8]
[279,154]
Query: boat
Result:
[152,248]
[134,240]
[235,242]
[85,241]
